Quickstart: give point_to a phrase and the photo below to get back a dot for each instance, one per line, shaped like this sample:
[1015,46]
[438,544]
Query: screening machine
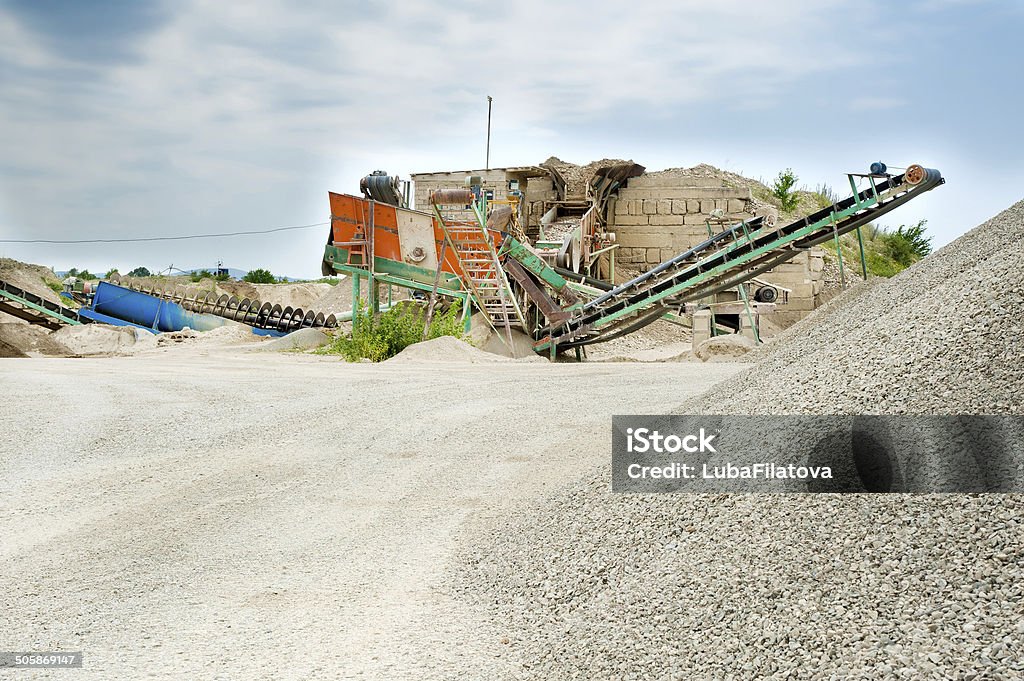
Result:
[459,251]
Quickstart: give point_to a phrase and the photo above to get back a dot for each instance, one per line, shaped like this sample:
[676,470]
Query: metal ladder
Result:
[463,223]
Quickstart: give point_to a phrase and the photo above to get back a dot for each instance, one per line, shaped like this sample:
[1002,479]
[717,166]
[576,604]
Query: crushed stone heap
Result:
[601,585]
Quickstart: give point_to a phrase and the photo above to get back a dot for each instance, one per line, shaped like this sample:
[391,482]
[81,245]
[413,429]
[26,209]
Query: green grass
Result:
[392,331]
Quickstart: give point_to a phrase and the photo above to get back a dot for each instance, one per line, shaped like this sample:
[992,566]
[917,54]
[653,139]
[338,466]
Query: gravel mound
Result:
[602,586]
[942,337]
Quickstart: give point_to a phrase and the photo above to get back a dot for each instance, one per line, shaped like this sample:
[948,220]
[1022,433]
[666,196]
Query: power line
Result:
[158,238]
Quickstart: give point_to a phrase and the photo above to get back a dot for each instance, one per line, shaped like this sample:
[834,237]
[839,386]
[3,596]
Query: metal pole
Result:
[489,100]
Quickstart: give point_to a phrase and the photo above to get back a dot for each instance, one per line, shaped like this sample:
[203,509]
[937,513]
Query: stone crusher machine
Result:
[462,250]
[572,233]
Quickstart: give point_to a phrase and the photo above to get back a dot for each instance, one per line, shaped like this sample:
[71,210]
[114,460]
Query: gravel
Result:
[596,585]
[942,337]
[204,515]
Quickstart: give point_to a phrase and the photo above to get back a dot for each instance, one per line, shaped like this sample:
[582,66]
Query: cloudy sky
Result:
[130,119]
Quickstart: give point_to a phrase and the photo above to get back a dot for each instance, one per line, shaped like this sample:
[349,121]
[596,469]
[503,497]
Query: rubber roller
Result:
[452,197]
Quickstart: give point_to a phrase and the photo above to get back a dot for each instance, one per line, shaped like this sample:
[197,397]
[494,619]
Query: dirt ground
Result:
[196,514]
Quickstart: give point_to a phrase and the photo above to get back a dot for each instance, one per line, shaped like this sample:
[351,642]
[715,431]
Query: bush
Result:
[140,272]
[111,272]
[259,276]
[782,189]
[907,245]
[199,275]
[886,252]
[393,331]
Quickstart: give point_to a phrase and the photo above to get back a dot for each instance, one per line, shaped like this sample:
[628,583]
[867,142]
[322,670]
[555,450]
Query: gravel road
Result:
[204,514]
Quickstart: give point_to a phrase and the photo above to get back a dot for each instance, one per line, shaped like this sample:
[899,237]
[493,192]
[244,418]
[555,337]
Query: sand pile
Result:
[727,348]
[602,585]
[229,334]
[33,278]
[445,349]
[19,339]
[303,339]
[100,340]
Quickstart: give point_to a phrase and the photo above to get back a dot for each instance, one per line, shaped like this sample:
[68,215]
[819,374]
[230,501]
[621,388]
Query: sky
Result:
[131,119]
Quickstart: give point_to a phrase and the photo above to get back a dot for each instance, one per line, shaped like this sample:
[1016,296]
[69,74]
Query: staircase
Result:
[463,223]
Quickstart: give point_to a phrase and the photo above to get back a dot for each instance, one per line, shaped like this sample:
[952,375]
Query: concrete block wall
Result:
[656,217]
[538,190]
[424,183]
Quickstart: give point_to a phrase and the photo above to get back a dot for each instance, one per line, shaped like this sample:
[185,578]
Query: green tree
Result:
[782,189]
[259,276]
[111,272]
[140,272]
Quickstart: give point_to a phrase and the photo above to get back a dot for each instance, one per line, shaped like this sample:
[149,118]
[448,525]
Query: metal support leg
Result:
[355,300]
[863,259]
[750,313]
[839,252]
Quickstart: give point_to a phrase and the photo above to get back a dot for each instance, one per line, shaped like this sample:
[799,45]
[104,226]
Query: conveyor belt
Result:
[35,309]
[727,259]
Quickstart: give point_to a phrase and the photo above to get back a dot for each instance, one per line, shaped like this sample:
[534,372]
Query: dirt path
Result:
[208,515]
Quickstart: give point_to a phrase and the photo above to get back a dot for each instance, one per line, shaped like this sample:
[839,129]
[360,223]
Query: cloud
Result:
[199,116]
[877,103]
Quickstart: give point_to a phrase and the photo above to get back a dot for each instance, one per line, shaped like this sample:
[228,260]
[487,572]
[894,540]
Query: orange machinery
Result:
[386,244]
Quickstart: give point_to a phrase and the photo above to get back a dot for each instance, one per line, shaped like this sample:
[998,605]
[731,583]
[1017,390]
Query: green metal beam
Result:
[39,308]
[730,263]
[525,257]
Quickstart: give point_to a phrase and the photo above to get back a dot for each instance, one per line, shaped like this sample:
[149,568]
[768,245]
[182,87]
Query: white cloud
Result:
[244,114]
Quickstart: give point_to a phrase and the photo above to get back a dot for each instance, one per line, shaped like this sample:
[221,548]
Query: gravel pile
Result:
[601,586]
[578,177]
[942,337]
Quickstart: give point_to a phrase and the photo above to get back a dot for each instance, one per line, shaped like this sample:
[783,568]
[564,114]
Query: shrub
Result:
[140,272]
[782,189]
[111,272]
[393,331]
[199,275]
[908,244]
[259,276]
